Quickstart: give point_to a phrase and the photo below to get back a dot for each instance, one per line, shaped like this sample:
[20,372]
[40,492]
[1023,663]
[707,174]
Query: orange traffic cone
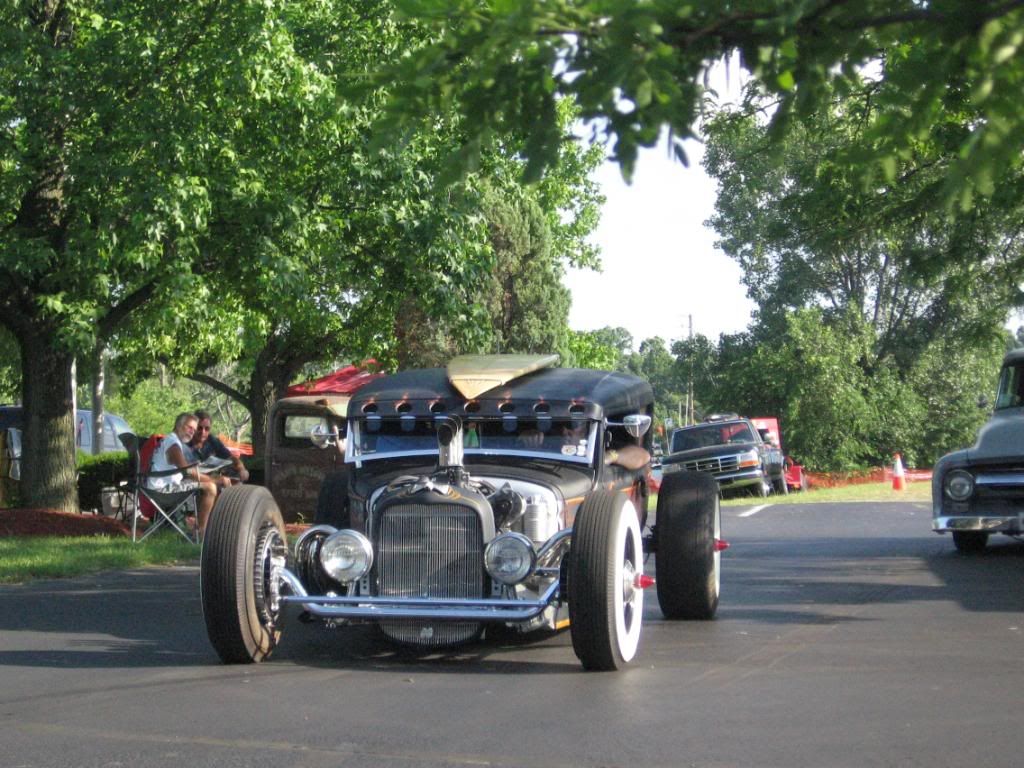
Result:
[899,480]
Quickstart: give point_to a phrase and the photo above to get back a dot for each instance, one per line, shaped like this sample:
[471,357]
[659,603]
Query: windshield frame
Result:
[354,455]
[1010,390]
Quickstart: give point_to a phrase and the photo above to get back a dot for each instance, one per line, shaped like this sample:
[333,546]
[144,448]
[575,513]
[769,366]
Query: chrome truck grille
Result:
[714,465]
[431,550]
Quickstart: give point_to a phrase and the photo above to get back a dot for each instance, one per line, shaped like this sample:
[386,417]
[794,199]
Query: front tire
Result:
[245,542]
[605,604]
[970,542]
[688,561]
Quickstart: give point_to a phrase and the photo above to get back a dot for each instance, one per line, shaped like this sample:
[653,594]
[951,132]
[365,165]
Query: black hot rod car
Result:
[499,492]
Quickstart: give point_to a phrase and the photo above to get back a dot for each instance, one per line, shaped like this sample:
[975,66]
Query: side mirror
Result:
[321,436]
[636,424]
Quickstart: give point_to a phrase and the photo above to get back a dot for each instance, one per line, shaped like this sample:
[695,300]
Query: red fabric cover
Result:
[146,451]
[343,381]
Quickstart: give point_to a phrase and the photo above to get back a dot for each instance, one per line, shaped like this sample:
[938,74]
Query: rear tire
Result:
[605,606]
[970,542]
[245,541]
[688,563]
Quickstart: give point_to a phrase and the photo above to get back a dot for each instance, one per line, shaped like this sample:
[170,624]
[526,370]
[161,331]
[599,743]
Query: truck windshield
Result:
[707,435]
[1011,387]
[569,440]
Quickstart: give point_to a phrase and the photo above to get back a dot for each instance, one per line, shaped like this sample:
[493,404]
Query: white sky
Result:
[660,264]
[659,261]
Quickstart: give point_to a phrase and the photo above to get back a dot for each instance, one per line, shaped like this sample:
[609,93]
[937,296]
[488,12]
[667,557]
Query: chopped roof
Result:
[587,392]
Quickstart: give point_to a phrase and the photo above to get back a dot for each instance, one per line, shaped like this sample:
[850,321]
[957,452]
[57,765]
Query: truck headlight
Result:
[346,556]
[749,459]
[510,558]
[959,484]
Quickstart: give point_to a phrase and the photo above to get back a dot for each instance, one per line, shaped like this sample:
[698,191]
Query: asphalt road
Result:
[848,635]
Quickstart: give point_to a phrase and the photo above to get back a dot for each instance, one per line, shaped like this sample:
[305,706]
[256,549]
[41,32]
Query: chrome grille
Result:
[433,550]
[714,464]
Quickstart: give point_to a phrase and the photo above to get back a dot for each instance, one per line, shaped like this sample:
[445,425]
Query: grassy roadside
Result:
[916,491]
[23,558]
[920,491]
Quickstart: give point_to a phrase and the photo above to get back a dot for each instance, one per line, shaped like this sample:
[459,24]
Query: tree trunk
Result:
[268,383]
[98,386]
[48,472]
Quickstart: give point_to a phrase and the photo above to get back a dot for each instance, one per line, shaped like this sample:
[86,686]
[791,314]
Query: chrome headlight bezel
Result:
[510,558]
[749,458]
[958,485]
[346,556]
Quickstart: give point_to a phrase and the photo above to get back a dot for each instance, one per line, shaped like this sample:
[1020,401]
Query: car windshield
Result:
[570,440]
[707,435]
[1011,387]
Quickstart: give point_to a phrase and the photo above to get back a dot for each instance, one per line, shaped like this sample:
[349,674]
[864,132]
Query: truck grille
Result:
[433,550]
[714,465]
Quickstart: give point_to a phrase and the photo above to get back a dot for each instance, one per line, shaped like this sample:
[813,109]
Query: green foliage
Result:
[98,472]
[10,368]
[634,68]
[586,349]
[658,365]
[525,300]
[152,406]
[797,218]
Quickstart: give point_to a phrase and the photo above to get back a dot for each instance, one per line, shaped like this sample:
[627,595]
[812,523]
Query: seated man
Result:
[170,454]
[204,445]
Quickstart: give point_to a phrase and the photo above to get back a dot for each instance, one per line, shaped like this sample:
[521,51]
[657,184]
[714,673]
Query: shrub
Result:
[97,472]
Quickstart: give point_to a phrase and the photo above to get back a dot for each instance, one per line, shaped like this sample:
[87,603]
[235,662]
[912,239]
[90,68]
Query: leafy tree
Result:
[636,67]
[655,363]
[950,379]
[10,369]
[587,349]
[121,126]
[806,232]
[525,298]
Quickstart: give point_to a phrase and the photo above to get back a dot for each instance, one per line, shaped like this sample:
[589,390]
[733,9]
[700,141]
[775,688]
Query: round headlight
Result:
[959,485]
[346,556]
[510,558]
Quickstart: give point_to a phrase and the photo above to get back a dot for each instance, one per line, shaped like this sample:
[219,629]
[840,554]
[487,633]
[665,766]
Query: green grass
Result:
[916,491]
[23,558]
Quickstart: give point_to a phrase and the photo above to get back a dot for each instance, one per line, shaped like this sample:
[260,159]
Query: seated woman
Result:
[170,454]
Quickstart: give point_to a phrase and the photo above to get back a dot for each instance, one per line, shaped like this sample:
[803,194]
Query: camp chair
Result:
[164,507]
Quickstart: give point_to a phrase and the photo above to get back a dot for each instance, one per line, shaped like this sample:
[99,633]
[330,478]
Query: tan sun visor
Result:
[473,375]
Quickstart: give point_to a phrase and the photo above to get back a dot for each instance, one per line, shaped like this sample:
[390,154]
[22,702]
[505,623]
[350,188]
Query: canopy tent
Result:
[343,381]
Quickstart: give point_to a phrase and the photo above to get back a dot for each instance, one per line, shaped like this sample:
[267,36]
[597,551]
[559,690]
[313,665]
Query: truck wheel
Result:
[332,501]
[761,489]
[244,545]
[688,561]
[969,541]
[605,604]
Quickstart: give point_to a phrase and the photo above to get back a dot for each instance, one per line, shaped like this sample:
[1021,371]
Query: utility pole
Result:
[689,385]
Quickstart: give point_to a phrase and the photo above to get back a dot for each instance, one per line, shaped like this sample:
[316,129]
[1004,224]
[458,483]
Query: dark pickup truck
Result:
[731,449]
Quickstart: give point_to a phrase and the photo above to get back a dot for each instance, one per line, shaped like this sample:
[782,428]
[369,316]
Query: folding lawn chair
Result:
[162,507]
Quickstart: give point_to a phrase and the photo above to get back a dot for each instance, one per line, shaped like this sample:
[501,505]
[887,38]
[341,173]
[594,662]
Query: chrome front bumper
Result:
[1011,524]
[427,608]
